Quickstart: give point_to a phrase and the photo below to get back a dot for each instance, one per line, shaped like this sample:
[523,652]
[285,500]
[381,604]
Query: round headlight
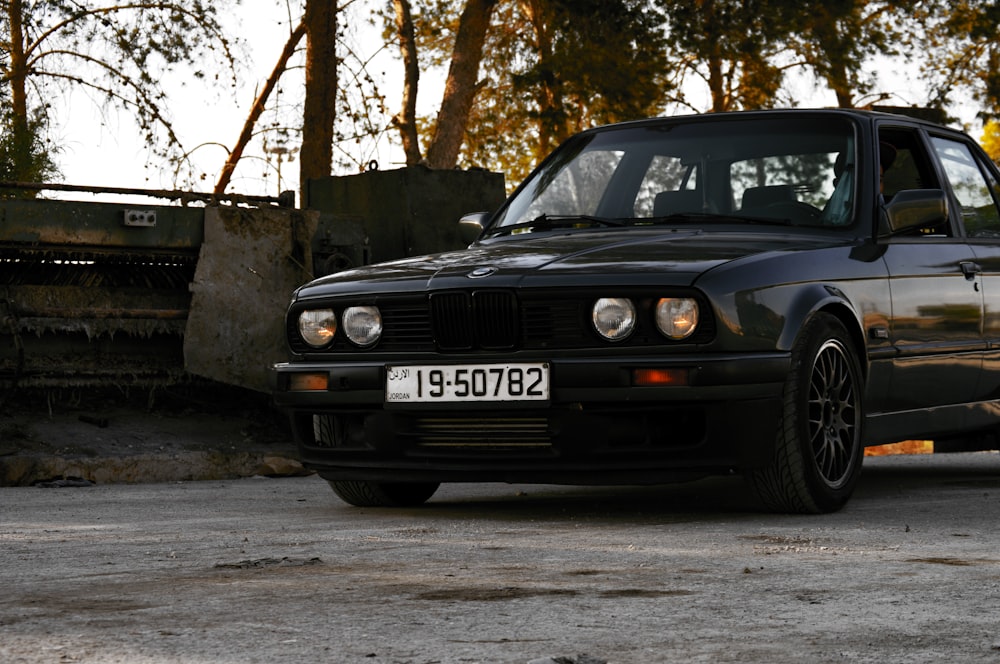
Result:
[363,325]
[614,317]
[317,326]
[677,317]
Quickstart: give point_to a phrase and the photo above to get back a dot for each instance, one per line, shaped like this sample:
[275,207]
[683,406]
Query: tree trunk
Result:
[549,97]
[716,84]
[717,87]
[18,69]
[462,84]
[838,81]
[406,119]
[834,49]
[316,154]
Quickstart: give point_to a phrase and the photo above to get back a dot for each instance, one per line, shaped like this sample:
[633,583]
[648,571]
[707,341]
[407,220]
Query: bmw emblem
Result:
[481,272]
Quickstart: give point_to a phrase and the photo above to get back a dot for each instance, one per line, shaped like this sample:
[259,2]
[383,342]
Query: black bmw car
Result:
[764,293]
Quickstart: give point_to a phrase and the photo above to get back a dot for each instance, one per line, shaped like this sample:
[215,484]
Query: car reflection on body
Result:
[764,293]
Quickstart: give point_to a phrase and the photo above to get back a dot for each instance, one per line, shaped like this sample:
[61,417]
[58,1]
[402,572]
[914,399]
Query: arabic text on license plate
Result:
[467,382]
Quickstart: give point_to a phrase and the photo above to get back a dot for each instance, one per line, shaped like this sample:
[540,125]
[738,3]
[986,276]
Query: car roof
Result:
[860,114]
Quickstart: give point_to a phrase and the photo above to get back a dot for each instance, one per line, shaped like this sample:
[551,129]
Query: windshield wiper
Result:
[547,222]
[698,217]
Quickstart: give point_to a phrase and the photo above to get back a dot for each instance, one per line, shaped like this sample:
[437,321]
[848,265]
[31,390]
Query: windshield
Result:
[789,171]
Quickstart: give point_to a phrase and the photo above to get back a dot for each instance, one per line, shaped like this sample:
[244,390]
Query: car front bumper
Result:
[598,427]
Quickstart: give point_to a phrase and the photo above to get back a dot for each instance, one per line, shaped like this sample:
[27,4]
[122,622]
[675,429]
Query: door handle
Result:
[970,269]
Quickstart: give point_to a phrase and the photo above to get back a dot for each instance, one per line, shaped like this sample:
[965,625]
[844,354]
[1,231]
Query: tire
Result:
[363,493]
[818,452]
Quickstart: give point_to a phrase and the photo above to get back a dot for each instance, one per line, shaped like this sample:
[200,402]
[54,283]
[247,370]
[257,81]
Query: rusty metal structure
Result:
[102,293]
[76,277]
[125,294]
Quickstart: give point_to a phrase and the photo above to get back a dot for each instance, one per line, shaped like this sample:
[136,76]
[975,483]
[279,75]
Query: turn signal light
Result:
[301,382]
[659,377]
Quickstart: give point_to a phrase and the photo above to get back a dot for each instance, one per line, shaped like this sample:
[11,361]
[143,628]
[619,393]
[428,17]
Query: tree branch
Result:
[258,108]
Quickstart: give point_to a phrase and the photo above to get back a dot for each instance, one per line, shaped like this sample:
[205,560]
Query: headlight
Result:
[614,317]
[363,325]
[677,317]
[317,326]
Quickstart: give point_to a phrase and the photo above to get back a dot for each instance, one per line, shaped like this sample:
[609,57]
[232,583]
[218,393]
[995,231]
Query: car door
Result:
[975,189]
[936,292]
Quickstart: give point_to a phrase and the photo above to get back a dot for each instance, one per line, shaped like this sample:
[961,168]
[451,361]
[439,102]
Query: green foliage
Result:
[553,67]
[732,46]
[608,59]
[737,51]
[964,47]
[991,140]
[838,41]
[24,155]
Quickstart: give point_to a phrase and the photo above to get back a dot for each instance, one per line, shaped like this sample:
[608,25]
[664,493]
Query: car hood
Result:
[638,256]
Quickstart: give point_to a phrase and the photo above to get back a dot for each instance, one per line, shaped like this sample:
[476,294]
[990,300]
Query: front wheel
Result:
[363,493]
[818,453]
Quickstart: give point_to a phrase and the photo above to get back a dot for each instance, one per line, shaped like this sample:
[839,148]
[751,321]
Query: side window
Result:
[905,162]
[975,188]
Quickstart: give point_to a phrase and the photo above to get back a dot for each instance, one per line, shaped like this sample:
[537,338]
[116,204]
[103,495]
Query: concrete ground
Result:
[269,571]
[149,567]
[193,432]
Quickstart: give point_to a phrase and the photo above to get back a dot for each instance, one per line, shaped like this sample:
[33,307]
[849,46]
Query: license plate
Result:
[467,382]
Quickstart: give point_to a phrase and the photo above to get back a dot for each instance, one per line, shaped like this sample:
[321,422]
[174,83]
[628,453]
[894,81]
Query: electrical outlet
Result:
[140,217]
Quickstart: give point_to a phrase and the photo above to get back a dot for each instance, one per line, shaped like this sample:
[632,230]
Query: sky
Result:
[104,148]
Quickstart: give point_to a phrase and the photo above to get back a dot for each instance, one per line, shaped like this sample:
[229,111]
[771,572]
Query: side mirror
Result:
[470,226]
[915,208]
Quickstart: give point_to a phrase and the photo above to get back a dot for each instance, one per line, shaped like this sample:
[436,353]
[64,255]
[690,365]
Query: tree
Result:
[838,38]
[549,68]
[115,53]
[320,106]
[964,39]
[24,156]
[991,140]
[461,85]
[257,109]
[525,74]
[332,110]
[406,119]
[590,62]
[737,48]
